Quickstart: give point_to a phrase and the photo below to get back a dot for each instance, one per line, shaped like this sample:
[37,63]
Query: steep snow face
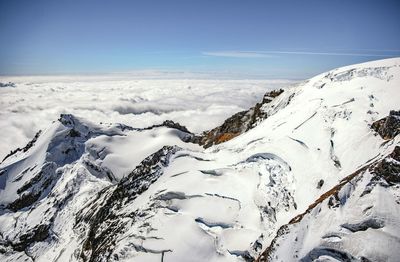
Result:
[128,194]
[358,220]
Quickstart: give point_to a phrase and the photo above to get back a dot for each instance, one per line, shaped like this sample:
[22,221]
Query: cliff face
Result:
[309,173]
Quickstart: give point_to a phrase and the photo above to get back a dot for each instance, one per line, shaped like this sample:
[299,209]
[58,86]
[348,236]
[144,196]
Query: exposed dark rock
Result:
[333,201]
[124,127]
[33,189]
[93,167]
[67,120]
[32,142]
[74,133]
[9,84]
[37,234]
[257,246]
[24,200]
[187,136]
[388,127]
[236,124]
[320,183]
[170,124]
[386,172]
[334,157]
[26,148]
[245,255]
[388,169]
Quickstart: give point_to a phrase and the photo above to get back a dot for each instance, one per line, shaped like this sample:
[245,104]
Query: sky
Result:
[269,38]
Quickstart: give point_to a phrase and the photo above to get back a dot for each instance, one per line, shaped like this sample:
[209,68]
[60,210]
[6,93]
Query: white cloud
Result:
[199,104]
[267,54]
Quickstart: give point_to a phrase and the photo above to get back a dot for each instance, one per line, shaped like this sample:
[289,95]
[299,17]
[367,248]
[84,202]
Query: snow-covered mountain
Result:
[310,173]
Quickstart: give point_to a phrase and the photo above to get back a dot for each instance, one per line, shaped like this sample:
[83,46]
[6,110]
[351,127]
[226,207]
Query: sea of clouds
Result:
[199,104]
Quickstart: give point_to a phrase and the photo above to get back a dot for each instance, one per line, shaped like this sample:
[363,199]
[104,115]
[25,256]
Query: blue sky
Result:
[275,39]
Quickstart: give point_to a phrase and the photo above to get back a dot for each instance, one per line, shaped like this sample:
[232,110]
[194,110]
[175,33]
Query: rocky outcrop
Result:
[388,127]
[9,84]
[26,148]
[37,234]
[186,135]
[387,171]
[238,123]
[31,191]
[170,124]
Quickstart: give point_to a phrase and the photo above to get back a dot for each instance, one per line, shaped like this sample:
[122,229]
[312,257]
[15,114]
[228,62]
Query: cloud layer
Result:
[199,104]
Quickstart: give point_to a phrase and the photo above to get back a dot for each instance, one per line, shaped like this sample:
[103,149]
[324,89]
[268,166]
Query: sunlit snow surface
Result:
[199,104]
[224,203]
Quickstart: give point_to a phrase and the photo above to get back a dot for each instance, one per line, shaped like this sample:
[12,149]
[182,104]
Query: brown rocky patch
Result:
[388,127]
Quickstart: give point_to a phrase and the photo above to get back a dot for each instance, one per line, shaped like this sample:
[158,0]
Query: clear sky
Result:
[276,38]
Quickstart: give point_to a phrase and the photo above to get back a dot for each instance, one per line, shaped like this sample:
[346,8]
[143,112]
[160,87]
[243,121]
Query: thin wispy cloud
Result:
[379,50]
[238,54]
[268,54]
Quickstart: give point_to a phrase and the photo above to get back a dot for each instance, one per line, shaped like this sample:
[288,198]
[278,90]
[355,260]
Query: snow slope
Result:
[358,220]
[89,192]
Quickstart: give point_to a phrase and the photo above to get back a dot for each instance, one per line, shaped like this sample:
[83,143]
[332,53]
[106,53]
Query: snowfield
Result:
[315,178]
